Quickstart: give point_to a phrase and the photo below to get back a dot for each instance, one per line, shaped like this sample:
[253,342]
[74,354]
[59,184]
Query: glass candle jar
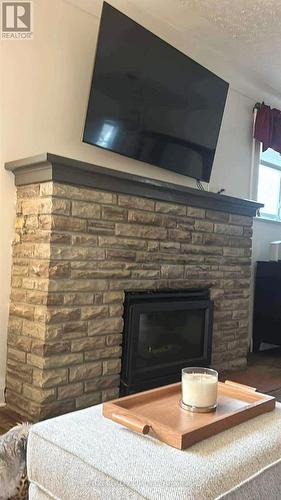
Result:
[199,389]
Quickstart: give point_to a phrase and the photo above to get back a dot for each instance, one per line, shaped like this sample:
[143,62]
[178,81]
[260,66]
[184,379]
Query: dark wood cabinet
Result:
[267,304]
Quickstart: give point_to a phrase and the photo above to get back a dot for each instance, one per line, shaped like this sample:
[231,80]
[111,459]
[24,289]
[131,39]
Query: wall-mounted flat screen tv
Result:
[150,102]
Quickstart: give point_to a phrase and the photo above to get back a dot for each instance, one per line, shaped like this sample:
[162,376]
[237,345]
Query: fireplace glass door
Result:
[164,332]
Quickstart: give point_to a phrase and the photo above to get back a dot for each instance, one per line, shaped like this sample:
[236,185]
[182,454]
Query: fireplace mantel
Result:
[49,167]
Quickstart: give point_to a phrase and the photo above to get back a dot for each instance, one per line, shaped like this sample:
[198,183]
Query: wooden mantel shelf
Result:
[49,167]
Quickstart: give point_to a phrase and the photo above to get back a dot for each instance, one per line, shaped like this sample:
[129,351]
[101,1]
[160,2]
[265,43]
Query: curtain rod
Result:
[257,105]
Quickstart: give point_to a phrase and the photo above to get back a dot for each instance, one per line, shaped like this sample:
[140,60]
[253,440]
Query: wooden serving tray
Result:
[157,412]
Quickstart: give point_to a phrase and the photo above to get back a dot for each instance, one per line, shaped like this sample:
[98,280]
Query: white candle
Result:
[199,389]
[274,250]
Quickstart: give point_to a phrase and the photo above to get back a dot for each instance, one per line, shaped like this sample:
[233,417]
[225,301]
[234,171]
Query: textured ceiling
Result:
[248,20]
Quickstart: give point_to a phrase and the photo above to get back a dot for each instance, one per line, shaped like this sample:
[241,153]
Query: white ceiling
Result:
[247,20]
[240,40]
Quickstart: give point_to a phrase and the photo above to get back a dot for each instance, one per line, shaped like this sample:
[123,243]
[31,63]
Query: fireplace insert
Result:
[164,331]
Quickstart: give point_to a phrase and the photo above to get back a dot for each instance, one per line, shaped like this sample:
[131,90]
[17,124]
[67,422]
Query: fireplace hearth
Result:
[164,331]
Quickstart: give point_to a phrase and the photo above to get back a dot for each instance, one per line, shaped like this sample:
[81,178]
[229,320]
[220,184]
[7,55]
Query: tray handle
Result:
[131,422]
[240,386]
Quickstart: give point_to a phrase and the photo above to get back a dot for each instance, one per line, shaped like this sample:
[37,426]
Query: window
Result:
[269,184]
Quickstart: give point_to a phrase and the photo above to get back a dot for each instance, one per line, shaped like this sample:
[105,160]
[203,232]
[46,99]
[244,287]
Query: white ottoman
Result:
[82,455]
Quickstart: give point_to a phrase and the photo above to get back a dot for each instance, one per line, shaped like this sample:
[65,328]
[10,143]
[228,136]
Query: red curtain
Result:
[268,128]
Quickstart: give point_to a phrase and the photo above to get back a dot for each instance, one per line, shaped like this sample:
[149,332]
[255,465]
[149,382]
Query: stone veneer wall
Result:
[75,252]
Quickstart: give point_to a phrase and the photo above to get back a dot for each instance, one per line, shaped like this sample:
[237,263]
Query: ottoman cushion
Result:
[84,455]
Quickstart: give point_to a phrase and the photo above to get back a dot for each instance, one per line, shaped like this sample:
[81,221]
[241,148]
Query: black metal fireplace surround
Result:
[164,331]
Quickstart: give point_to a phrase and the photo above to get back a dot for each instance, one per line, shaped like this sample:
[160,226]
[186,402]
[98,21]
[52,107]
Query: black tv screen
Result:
[151,102]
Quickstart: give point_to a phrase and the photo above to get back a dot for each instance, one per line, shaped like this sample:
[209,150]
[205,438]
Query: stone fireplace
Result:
[85,235]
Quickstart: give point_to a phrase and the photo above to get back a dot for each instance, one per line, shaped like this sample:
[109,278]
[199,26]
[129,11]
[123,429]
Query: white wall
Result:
[264,233]
[44,93]
[7,216]
[232,165]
